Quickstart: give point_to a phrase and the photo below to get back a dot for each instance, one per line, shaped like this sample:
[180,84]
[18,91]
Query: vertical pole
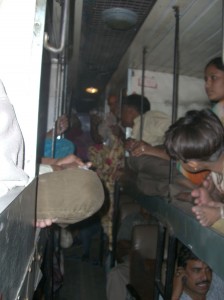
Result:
[115,222]
[172,250]
[60,87]
[223,31]
[65,105]
[159,286]
[120,104]
[54,63]
[175,66]
[175,79]
[60,75]
[142,90]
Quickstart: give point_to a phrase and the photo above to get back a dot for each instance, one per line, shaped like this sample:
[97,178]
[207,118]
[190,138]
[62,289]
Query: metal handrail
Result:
[63,32]
[222,31]
[175,80]
[144,51]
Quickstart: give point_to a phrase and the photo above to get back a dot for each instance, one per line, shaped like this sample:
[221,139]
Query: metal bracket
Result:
[63,32]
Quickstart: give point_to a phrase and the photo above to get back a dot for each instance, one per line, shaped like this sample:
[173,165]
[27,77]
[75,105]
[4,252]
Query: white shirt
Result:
[216,291]
[155,123]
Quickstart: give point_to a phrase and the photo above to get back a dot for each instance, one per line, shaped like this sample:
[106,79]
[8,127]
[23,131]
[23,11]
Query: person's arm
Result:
[178,283]
[68,162]
[143,148]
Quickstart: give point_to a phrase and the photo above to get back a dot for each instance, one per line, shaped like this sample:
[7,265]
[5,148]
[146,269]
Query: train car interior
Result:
[92,206]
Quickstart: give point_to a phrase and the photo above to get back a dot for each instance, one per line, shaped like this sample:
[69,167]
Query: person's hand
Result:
[130,144]
[44,223]
[62,124]
[178,283]
[141,148]
[71,161]
[138,148]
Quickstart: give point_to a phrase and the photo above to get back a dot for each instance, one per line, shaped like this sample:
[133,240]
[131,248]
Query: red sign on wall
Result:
[148,82]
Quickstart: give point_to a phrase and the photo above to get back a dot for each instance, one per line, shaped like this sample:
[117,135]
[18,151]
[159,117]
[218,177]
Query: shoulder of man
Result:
[157,113]
[216,290]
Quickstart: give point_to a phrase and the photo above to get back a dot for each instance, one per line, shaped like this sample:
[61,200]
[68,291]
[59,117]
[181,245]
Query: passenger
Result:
[63,157]
[155,123]
[148,158]
[197,141]
[63,146]
[79,134]
[194,279]
[103,129]
[110,125]
[107,155]
[214,82]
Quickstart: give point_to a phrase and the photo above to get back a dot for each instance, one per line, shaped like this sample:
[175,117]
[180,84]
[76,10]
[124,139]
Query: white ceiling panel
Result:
[200,37]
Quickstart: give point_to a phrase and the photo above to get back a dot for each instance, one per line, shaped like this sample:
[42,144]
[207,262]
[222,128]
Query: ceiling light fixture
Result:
[91,90]
[119,18]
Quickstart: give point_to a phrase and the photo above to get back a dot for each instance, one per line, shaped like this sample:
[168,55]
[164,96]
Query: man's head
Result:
[198,275]
[131,108]
[113,104]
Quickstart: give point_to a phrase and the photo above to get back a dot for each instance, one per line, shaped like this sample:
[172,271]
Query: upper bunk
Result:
[206,242]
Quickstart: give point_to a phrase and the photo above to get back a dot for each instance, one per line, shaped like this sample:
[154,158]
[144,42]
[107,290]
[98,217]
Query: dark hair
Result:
[134,100]
[184,255]
[198,135]
[217,62]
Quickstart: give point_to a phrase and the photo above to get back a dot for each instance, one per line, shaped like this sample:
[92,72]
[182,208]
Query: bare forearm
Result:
[138,148]
[48,160]
[161,153]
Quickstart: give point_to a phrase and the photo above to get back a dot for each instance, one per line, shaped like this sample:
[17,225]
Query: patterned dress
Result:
[108,159]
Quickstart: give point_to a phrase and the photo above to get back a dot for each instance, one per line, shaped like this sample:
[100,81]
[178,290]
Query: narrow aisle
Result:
[83,280]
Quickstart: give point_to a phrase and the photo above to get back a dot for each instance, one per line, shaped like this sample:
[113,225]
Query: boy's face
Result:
[198,277]
[127,116]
